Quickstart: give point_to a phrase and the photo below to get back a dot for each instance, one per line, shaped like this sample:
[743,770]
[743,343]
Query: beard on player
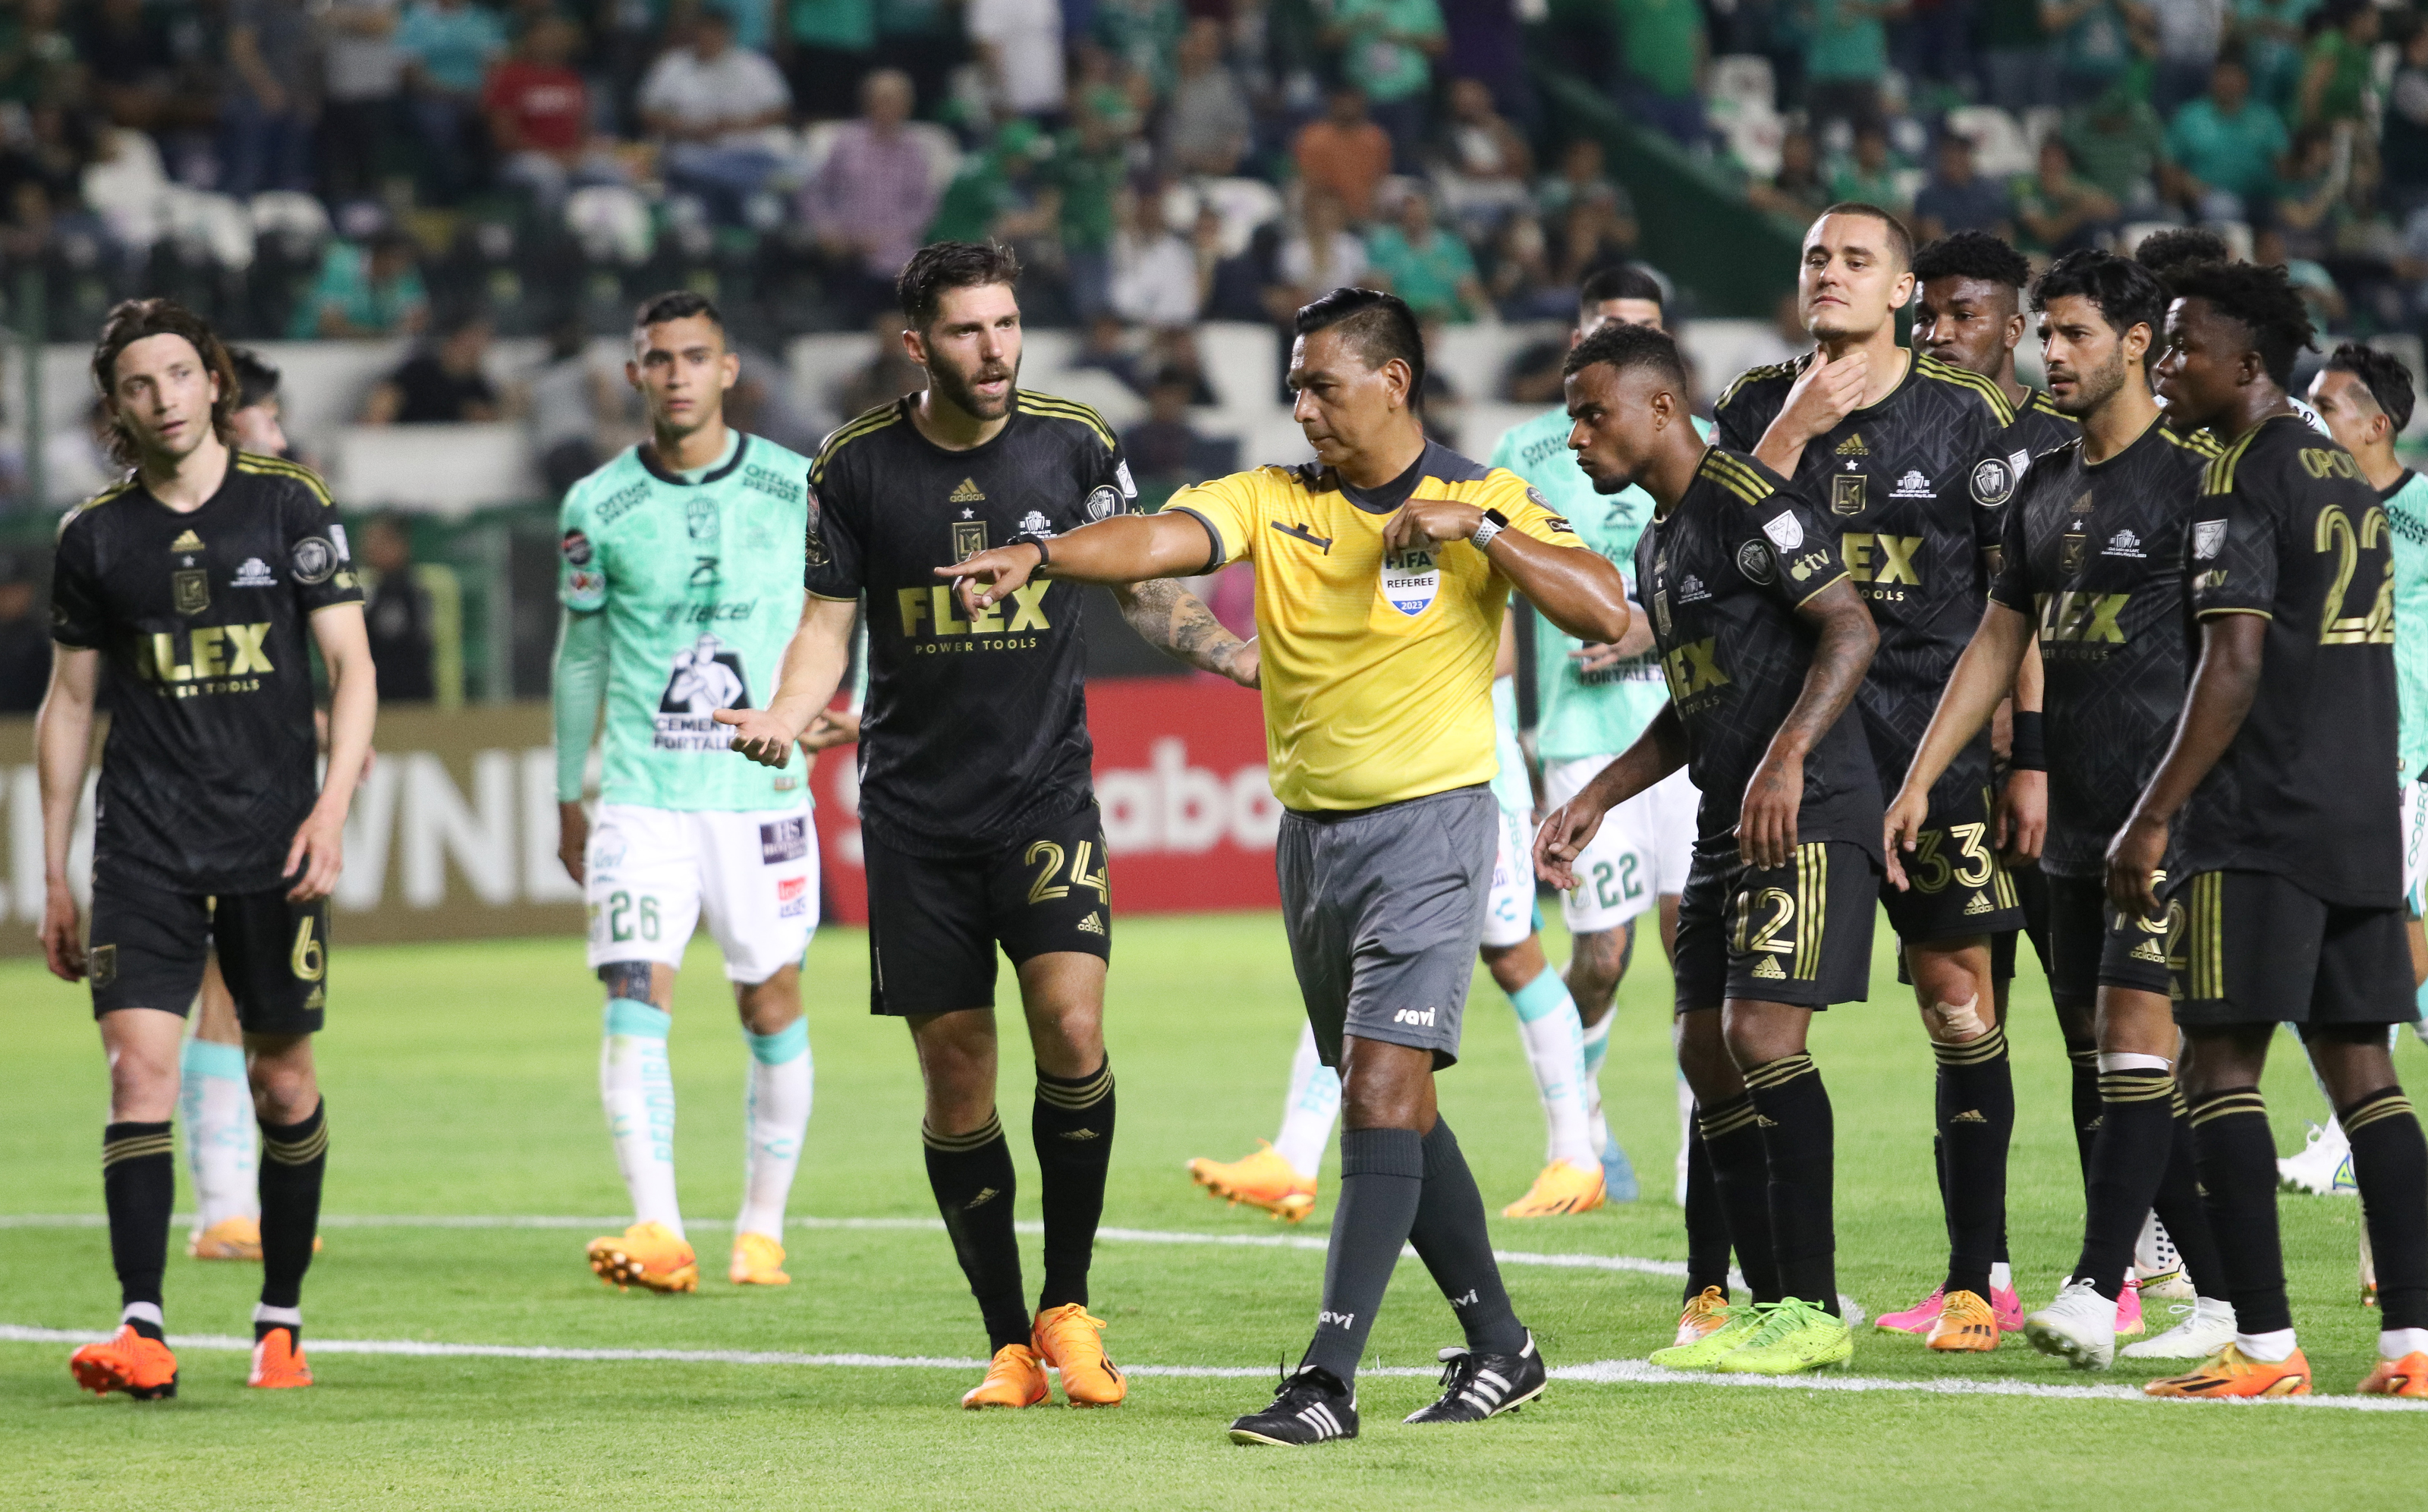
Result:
[2077,392]
[962,387]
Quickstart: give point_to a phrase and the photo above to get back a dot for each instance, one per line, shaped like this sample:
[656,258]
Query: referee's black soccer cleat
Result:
[1312,1408]
[1476,1387]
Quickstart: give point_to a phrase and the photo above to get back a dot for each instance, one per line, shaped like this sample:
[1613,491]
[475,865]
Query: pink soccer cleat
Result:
[1918,1317]
[2010,1308]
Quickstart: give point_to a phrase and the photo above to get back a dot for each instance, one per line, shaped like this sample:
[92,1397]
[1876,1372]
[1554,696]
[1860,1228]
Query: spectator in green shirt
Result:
[2118,144]
[1144,35]
[2016,56]
[827,47]
[1868,176]
[1088,169]
[2336,78]
[1424,264]
[2094,43]
[1004,193]
[1388,48]
[1845,56]
[1664,47]
[2225,147]
[2270,33]
[2057,211]
[364,293]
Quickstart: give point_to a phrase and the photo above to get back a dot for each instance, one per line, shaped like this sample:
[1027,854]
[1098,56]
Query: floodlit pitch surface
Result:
[461,1084]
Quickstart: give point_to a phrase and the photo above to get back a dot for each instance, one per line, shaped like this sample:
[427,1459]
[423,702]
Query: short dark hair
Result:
[2164,252]
[1623,347]
[676,304]
[944,265]
[2261,299]
[2382,373]
[1972,254]
[1900,240]
[256,382]
[1381,326]
[2127,293]
[134,320]
[1626,281]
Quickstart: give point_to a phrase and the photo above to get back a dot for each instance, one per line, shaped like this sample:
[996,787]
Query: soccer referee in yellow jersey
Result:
[1382,570]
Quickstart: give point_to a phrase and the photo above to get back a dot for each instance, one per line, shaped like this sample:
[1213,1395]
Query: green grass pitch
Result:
[462,1081]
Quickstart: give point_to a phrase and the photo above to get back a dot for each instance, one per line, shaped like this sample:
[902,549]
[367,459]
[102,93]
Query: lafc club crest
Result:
[1661,610]
[2069,552]
[190,590]
[969,538]
[1411,580]
[1847,493]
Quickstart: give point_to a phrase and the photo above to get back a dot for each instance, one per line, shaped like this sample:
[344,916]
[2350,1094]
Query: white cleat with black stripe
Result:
[1312,1408]
[1476,1387]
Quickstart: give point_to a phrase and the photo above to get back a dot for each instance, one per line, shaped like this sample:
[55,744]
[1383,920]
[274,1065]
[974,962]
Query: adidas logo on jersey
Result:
[1853,447]
[1970,1115]
[1092,924]
[186,542]
[1978,905]
[968,493]
[1767,970]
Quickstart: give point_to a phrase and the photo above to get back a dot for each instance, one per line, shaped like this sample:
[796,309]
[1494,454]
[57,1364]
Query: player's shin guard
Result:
[2083,1061]
[2236,1159]
[294,1158]
[2180,1206]
[972,1176]
[776,1116]
[1799,1137]
[217,1104]
[1451,1237]
[1553,1035]
[1074,1130]
[2391,1163]
[138,1183]
[1382,1185]
[636,1083]
[2137,1122]
[1975,1107]
[1732,1135]
[1707,1225]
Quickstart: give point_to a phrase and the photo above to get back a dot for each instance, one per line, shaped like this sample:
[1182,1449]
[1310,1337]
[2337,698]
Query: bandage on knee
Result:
[1957,1021]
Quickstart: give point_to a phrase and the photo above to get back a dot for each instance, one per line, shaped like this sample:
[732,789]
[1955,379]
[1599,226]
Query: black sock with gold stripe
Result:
[971,1175]
[139,1185]
[1707,1224]
[2391,1163]
[1975,1107]
[2083,1064]
[2136,1132]
[1740,1187]
[1073,1127]
[2180,1206]
[1798,1140]
[294,1158]
[2237,1158]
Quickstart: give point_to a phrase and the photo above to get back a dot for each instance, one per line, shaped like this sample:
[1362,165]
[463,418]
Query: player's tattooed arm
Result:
[2223,688]
[1767,822]
[1569,828]
[1177,623]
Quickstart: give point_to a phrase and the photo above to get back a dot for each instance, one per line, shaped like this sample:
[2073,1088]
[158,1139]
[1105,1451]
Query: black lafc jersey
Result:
[1725,572]
[203,619]
[2094,556]
[2286,527]
[976,729]
[2038,429]
[1894,483]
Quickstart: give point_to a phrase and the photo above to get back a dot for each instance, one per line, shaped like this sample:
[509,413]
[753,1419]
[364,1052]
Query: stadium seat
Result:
[612,223]
[2000,149]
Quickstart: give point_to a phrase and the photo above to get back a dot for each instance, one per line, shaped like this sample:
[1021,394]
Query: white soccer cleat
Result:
[2080,1327]
[2323,1167]
[2157,1264]
[2207,1327]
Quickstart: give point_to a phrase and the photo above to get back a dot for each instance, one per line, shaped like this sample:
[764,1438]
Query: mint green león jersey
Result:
[701,588]
[1584,714]
[2408,507]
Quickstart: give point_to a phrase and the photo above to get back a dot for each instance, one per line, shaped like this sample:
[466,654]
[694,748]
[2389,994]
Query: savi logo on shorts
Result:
[1411,580]
[1422,1017]
[785,840]
[792,893]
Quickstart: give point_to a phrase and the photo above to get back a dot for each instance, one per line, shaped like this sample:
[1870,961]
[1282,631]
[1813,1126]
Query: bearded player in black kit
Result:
[198,579]
[978,812]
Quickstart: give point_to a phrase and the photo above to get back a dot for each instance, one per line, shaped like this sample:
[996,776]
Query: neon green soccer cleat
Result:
[1792,1337]
[1737,1323]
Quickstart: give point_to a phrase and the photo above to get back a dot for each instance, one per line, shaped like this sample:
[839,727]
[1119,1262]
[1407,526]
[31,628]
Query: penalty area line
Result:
[1596,1373]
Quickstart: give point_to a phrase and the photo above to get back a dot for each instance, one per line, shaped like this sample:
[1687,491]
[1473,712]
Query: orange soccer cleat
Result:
[1013,1379]
[1563,1187]
[1707,1314]
[1065,1337]
[1967,1324]
[758,1261]
[1264,1179]
[278,1362]
[646,1255]
[126,1361]
[2231,1373]
[2407,1376]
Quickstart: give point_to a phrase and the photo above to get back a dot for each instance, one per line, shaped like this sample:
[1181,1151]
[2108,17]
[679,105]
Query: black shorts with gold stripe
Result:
[1957,885]
[1799,934]
[2254,947]
[148,943]
[2090,946]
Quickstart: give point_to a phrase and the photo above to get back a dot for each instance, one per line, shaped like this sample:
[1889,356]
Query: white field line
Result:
[1597,1372]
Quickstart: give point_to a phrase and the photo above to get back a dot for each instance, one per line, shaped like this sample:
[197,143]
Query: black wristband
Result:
[2028,751]
[1045,557]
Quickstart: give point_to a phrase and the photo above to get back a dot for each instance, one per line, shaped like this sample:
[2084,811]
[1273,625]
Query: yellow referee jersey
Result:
[1377,671]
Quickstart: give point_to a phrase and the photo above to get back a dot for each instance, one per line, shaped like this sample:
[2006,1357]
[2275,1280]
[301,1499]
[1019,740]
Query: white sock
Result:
[636,1082]
[142,1312]
[1314,1102]
[216,1107]
[289,1317]
[1554,1040]
[1597,1048]
[2393,1344]
[2269,1347]
[2002,1276]
[1686,1132]
[775,1116]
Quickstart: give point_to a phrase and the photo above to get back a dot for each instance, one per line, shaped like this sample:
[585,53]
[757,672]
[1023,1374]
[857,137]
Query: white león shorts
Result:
[1509,914]
[654,873]
[2414,848]
[1642,850]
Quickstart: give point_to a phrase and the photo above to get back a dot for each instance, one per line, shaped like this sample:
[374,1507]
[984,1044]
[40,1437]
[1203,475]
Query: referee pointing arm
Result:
[1383,568]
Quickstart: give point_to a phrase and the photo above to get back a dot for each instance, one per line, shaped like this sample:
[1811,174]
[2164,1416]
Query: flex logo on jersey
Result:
[933,615]
[1411,580]
[206,658]
[2077,617]
[703,680]
[1894,562]
[1692,668]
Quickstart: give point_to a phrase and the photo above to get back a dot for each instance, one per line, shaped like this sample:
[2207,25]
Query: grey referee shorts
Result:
[1385,908]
